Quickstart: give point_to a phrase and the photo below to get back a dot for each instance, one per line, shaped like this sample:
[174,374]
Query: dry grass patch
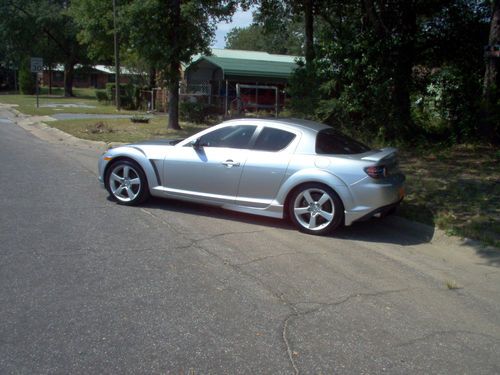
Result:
[124,130]
[457,189]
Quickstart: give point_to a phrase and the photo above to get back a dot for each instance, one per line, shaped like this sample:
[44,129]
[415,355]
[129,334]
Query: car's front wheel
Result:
[315,209]
[127,183]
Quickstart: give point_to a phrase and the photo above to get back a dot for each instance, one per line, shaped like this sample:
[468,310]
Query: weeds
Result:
[452,285]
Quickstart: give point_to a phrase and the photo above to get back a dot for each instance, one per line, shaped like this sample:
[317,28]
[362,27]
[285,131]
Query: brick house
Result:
[85,77]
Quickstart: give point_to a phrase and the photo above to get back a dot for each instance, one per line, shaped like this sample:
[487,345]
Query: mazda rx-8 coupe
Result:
[308,172]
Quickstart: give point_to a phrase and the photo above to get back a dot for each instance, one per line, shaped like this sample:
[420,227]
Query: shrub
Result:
[26,80]
[101,96]
[127,95]
[140,119]
[192,112]
[450,105]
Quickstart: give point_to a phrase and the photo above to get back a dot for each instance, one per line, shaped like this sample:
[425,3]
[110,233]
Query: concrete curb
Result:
[36,126]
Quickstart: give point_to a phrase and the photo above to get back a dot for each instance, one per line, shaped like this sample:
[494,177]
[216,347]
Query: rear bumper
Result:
[379,212]
[378,200]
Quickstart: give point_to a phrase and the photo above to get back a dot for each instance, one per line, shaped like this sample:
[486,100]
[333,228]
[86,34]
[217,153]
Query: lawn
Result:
[84,102]
[123,130]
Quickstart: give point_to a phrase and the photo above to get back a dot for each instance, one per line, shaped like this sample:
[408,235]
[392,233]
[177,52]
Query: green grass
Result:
[456,189]
[27,103]
[124,130]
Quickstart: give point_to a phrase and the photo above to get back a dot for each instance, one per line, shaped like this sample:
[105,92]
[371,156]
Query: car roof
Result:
[298,124]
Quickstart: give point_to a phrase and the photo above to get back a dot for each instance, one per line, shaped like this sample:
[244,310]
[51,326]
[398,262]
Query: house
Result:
[246,80]
[85,77]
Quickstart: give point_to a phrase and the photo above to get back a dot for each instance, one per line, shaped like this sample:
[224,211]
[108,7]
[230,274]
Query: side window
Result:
[331,142]
[271,139]
[230,136]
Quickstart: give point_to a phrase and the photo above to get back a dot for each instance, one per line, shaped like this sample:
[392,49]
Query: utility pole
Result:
[117,59]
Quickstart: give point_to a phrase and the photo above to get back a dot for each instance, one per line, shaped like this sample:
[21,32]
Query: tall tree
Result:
[491,85]
[256,38]
[394,23]
[492,73]
[51,26]
[276,15]
[164,34]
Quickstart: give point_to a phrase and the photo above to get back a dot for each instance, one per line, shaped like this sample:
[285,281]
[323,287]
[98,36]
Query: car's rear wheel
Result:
[127,183]
[315,209]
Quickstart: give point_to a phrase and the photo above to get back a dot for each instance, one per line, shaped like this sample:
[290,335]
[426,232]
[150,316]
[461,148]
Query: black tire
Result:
[315,209]
[126,183]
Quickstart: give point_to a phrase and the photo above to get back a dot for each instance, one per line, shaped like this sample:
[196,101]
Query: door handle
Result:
[229,163]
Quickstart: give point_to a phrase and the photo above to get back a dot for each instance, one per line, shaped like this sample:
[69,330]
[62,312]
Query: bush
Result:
[26,80]
[450,105]
[192,112]
[140,119]
[102,96]
[128,94]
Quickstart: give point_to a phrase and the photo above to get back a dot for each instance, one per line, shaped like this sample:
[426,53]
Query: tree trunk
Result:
[173,97]
[490,127]
[491,83]
[50,79]
[404,56]
[152,78]
[396,61]
[69,73]
[309,30]
[174,67]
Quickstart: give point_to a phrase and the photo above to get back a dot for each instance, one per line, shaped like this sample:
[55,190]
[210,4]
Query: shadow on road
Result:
[391,230]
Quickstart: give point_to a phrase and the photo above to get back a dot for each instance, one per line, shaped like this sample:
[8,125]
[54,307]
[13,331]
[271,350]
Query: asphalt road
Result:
[88,286]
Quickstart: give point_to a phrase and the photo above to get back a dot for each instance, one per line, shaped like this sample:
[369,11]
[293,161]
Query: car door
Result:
[211,170]
[266,166]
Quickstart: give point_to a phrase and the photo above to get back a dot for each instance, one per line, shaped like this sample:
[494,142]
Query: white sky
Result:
[240,19]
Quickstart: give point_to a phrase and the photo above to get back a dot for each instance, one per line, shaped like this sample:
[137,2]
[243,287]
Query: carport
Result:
[245,80]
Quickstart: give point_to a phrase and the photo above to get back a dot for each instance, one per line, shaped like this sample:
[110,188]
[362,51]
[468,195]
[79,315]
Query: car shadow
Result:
[389,230]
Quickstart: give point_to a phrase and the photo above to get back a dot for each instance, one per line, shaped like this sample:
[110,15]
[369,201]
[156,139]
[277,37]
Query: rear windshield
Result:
[330,141]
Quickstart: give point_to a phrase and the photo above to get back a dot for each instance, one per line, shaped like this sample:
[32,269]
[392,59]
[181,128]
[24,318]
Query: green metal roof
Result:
[251,55]
[242,67]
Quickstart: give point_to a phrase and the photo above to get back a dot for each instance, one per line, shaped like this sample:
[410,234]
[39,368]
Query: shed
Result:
[218,76]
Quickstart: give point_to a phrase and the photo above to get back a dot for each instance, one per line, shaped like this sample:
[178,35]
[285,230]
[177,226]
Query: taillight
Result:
[376,171]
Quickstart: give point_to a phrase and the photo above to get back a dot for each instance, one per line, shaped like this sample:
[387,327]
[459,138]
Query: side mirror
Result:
[195,144]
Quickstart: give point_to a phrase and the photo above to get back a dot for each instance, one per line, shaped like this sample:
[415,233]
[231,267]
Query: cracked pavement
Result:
[89,286]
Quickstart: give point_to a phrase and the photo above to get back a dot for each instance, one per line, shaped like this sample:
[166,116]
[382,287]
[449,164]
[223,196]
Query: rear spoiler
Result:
[381,154]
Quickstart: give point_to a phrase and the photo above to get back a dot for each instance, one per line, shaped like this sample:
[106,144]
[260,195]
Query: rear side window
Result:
[271,139]
[330,141]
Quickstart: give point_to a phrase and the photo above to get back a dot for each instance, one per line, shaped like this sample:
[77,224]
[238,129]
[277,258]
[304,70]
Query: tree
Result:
[491,83]
[255,38]
[276,15]
[52,33]
[492,71]
[164,34]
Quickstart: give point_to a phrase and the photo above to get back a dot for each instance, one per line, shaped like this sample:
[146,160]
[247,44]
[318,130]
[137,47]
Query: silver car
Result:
[300,169]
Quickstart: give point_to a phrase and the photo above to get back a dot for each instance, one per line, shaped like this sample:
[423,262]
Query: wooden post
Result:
[227,96]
